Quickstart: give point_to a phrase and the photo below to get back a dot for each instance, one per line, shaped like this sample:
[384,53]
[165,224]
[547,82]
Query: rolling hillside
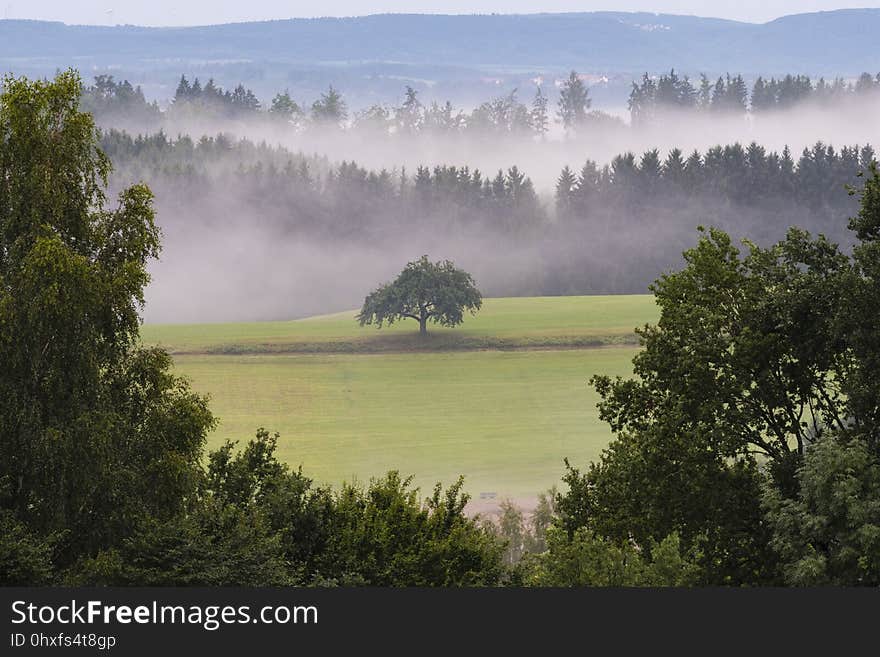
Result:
[459,57]
[594,40]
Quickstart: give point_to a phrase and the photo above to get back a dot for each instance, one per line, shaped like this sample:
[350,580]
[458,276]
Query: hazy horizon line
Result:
[442,14]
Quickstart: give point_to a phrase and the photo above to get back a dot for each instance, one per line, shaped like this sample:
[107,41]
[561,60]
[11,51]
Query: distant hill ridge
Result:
[824,43]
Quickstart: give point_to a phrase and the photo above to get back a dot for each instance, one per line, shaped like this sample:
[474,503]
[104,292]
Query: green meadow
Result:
[522,322]
[504,417]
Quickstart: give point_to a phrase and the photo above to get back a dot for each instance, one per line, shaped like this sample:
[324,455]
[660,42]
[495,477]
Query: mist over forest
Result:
[284,212]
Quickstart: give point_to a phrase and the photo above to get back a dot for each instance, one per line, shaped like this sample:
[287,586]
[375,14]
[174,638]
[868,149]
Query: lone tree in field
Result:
[424,290]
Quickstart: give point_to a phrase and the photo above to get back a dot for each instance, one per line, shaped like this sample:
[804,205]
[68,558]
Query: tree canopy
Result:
[751,428]
[330,108]
[92,426]
[574,102]
[424,291]
[103,475]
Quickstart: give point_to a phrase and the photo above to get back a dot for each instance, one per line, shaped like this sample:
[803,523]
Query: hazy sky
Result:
[200,12]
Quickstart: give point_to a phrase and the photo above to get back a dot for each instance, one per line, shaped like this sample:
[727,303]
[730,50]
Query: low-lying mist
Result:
[241,274]
[856,120]
[246,240]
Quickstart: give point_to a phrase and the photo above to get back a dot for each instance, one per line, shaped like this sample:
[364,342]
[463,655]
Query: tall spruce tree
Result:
[540,118]
[330,109]
[565,186]
[574,102]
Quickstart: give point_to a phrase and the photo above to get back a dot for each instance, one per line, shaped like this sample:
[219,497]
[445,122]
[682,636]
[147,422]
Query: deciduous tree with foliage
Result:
[586,559]
[101,447]
[261,523]
[424,291]
[757,389]
[829,533]
[96,432]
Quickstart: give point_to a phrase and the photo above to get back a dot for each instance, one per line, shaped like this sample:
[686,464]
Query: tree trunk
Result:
[423,326]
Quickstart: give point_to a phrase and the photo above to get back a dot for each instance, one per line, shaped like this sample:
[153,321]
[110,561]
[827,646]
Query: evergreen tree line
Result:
[507,114]
[114,101]
[737,174]
[729,94]
[307,192]
[213,99]
[611,229]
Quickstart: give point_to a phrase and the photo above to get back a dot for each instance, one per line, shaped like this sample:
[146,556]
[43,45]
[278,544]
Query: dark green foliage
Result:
[654,484]
[751,431]
[760,374]
[215,545]
[829,534]
[101,446]
[297,513]
[585,559]
[257,523]
[25,558]
[383,534]
[95,433]
[828,531]
[194,100]
[742,362]
[424,290]
[860,325]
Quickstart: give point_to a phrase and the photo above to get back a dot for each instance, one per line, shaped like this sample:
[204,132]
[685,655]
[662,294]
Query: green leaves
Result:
[424,290]
[829,535]
[751,427]
[757,354]
[381,534]
[96,435]
[585,559]
[746,345]
[101,446]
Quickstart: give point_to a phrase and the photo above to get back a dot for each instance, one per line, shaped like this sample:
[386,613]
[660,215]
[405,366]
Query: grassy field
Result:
[526,322]
[504,419]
